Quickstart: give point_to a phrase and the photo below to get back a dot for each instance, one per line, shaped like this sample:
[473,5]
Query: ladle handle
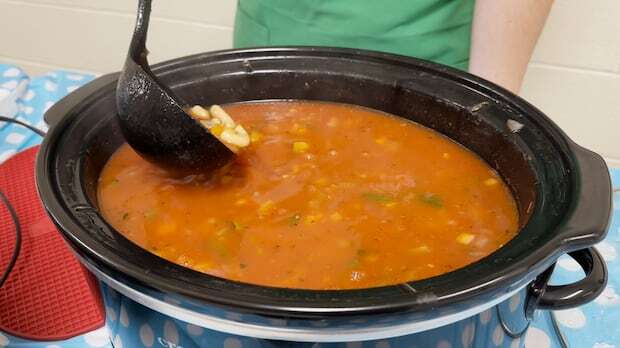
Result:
[137,47]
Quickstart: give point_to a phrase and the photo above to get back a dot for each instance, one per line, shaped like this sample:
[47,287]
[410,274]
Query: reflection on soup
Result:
[327,196]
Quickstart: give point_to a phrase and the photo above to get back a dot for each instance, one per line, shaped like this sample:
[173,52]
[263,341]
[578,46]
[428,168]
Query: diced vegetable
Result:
[335,216]
[465,238]
[300,147]
[432,199]
[255,136]
[377,197]
[491,182]
[266,208]
[422,249]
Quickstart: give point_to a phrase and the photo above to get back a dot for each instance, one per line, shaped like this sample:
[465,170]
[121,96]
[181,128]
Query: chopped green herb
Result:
[377,197]
[125,216]
[237,226]
[293,220]
[432,199]
[114,182]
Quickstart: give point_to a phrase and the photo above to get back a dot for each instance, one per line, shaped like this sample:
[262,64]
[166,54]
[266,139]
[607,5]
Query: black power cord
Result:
[18,239]
[14,217]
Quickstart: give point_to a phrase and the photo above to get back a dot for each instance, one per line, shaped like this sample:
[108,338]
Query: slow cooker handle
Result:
[554,297]
[61,108]
[591,213]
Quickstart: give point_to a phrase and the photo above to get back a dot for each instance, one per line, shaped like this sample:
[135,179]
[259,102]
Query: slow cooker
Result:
[563,193]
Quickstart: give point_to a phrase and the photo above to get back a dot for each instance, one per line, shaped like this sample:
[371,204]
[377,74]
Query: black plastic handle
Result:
[581,292]
[591,212]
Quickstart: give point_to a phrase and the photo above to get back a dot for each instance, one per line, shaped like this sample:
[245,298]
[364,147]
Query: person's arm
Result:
[504,34]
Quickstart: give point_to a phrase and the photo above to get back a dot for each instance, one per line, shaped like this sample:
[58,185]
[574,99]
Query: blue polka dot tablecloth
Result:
[595,325]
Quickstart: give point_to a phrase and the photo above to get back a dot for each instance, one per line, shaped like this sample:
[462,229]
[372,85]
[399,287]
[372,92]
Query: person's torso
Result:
[437,30]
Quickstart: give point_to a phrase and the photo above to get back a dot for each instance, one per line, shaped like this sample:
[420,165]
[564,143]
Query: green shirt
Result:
[437,30]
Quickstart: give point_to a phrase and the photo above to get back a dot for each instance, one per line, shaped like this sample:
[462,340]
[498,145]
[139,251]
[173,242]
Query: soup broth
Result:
[326,196]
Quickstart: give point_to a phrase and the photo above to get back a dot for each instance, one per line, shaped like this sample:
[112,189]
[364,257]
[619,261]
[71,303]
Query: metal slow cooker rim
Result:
[424,295]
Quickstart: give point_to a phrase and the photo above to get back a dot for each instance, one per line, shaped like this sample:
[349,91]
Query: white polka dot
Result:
[97,338]
[50,86]
[573,318]
[4,341]
[6,155]
[607,250]
[536,338]
[4,92]
[609,297]
[14,138]
[498,336]
[146,335]
[603,345]
[194,330]
[75,77]
[12,72]
[118,342]
[232,343]
[111,313]
[485,317]
[514,302]
[383,344]
[10,84]
[171,334]
[26,109]
[124,318]
[444,344]
[52,74]
[516,343]
[29,95]
[467,336]
[569,264]
[47,106]
[354,345]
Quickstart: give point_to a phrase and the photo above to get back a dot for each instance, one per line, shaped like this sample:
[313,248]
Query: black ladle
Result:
[152,117]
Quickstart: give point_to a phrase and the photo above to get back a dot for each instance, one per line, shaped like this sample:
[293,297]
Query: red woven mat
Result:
[48,296]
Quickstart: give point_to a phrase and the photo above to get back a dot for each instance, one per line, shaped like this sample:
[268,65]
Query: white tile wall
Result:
[574,75]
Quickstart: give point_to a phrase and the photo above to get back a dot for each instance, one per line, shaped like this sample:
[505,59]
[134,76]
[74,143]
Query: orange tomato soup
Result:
[327,196]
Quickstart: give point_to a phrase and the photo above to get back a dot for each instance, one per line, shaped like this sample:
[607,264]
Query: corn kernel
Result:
[390,204]
[335,216]
[217,130]
[241,202]
[255,136]
[445,155]
[491,182]
[300,147]
[423,249]
[465,238]
[380,140]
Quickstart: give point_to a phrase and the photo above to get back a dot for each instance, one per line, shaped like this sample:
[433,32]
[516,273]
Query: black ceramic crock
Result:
[563,193]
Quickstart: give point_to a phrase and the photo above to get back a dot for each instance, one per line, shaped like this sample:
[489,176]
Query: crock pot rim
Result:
[514,273]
